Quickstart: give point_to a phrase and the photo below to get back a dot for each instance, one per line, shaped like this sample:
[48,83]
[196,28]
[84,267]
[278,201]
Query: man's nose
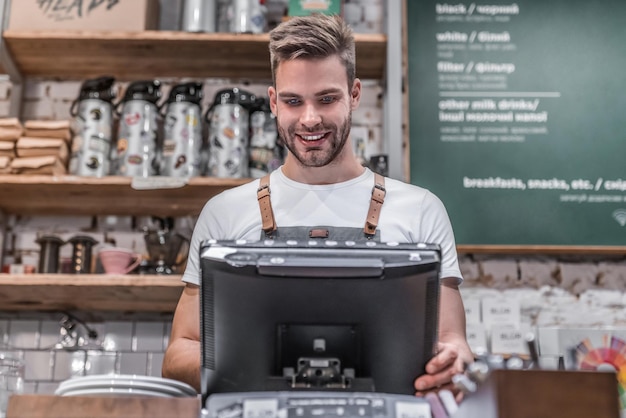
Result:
[310,115]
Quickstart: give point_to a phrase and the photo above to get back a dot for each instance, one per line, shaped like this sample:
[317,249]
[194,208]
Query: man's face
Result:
[313,106]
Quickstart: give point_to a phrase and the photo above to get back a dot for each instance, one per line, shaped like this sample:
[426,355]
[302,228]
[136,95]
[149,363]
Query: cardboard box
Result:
[10,129]
[5,165]
[48,129]
[7,149]
[92,15]
[39,147]
[38,165]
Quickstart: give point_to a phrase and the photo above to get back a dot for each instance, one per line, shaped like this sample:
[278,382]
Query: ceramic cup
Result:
[117,260]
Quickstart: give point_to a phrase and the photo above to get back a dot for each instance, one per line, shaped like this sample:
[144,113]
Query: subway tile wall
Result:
[123,346]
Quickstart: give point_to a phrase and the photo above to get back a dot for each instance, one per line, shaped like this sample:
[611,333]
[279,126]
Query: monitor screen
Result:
[320,315]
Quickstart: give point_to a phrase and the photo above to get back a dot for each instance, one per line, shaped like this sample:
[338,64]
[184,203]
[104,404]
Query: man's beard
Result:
[318,157]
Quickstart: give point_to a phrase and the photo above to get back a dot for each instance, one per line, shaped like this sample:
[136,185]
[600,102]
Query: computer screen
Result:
[317,315]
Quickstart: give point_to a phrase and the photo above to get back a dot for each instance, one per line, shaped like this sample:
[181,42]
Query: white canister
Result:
[138,153]
[199,16]
[229,133]
[248,16]
[92,126]
[182,139]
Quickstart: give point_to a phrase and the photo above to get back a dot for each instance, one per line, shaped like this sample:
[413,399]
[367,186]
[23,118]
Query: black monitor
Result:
[317,315]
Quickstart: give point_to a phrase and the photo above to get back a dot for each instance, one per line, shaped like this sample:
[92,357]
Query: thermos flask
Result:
[199,16]
[248,16]
[182,139]
[265,151]
[228,120]
[82,248]
[92,114]
[138,153]
[50,246]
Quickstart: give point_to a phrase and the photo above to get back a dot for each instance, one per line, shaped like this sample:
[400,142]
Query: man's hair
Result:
[316,36]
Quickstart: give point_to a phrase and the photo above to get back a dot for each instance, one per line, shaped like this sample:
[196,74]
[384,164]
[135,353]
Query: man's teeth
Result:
[312,137]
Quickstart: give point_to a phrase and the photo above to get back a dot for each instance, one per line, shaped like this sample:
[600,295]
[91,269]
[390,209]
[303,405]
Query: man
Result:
[321,184]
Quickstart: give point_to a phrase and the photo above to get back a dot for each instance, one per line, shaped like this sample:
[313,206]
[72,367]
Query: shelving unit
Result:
[78,55]
[111,195]
[97,292]
[141,55]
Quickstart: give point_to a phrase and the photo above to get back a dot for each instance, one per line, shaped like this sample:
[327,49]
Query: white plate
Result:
[116,392]
[119,384]
[106,379]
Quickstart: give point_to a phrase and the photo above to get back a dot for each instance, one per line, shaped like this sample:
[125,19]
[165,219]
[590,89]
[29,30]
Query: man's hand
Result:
[439,370]
[453,352]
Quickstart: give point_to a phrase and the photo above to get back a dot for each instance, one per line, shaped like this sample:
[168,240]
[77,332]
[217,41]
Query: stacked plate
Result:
[124,385]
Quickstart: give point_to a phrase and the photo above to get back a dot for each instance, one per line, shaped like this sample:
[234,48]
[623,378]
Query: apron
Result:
[369,232]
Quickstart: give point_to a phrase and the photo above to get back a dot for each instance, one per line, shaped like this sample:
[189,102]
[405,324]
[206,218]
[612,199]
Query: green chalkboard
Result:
[518,118]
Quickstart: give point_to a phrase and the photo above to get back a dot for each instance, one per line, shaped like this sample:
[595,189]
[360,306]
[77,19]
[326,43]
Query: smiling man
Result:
[322,185]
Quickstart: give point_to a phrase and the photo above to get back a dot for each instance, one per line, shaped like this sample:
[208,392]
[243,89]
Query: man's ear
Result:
[355,93]
[271,93]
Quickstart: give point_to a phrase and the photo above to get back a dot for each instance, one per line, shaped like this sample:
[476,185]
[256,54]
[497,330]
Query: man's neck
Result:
[335,172]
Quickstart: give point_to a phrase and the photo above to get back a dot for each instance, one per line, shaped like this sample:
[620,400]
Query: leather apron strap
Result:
[371,222]
[265,205]
[378,198]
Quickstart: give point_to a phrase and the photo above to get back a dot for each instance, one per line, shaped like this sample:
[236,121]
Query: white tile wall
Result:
[100,362]
[133,363]
[24,334]
[128,347]
[118,336]
[148,336]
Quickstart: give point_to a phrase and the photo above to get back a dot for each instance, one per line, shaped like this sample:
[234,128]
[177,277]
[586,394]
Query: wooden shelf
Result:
[93,292]
[153,54]
[112,195]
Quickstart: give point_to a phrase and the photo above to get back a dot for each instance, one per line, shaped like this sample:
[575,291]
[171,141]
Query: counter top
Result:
[50,406]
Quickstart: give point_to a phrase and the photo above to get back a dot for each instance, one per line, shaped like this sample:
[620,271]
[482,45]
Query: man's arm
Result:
[182,357]
[453,348]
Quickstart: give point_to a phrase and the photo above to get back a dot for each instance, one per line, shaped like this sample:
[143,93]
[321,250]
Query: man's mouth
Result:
[310,138]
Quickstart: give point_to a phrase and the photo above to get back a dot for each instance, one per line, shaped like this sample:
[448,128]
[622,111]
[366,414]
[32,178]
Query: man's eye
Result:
[327,99]
[292,102]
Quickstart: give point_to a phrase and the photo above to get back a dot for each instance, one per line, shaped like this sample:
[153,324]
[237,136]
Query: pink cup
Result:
[118,260]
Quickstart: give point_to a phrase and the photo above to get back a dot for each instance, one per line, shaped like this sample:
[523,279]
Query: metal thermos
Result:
[92,114]
[182,139]
[248,16]
[199,16]
[82,248]
[50,246]
[265,152]
[138,152]
[228,120]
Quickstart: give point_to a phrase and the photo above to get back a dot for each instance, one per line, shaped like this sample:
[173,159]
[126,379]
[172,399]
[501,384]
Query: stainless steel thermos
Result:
[138,150]
[228,120]
[247,16]
[50,246]
[92,114]
[199,16]
[266,154]
[183,141]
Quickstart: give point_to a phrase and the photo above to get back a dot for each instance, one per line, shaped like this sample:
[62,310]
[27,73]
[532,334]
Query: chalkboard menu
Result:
[518,118]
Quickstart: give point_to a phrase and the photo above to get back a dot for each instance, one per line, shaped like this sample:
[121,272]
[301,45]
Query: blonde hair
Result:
[314,36]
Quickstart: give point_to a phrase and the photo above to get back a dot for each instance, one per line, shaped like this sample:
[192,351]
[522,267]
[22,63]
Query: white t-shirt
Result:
[410,214]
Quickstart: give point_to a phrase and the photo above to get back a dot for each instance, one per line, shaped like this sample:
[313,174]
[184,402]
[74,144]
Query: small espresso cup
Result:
[117,260]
